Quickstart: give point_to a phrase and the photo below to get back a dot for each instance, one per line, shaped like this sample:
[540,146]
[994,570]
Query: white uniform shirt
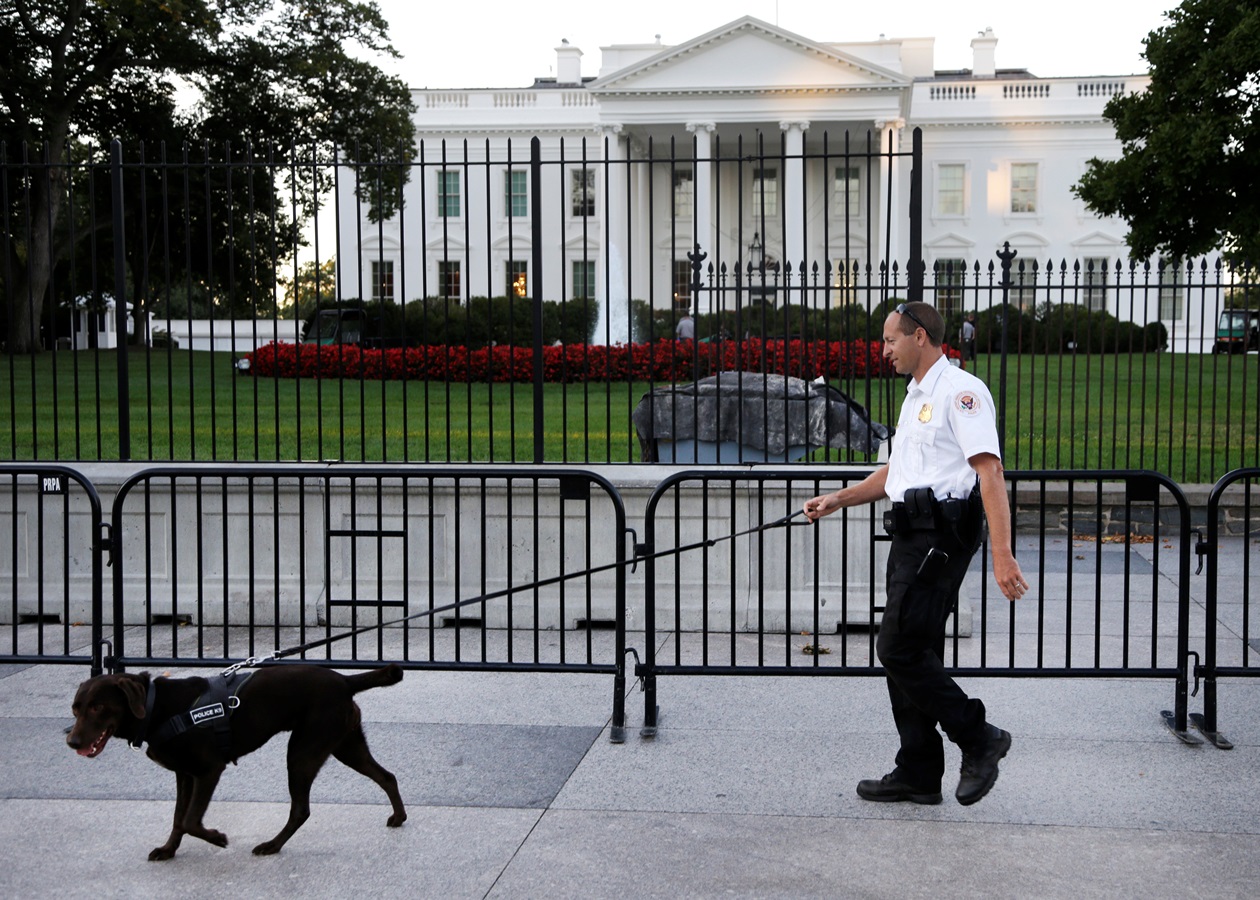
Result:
[945,420]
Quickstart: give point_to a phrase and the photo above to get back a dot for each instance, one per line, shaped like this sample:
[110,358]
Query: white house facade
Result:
[755,144]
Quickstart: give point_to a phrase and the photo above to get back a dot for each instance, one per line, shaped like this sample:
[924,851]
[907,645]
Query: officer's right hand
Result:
[823,505]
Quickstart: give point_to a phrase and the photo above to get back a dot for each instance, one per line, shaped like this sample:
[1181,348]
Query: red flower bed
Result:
[665,360]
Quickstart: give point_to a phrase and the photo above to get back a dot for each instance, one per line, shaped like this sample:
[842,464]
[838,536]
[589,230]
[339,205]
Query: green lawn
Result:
[1190,417]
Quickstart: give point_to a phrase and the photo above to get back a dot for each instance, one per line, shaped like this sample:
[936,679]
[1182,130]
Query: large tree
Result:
[239,80]
[1186,182]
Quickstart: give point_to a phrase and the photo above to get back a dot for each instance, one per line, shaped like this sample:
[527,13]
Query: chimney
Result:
[983,55]
[568,63]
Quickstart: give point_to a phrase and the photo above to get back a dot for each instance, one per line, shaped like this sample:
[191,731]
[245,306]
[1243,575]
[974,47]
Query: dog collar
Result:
[136,742]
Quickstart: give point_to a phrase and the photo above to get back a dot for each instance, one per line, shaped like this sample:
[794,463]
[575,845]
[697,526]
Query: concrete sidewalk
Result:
[514,790]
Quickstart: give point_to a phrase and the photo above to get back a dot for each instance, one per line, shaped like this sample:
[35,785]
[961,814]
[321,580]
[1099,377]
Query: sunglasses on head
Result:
[904,310]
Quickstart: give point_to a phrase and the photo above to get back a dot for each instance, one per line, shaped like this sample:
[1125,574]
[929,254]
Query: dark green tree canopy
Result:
[1186,182]
[232,79]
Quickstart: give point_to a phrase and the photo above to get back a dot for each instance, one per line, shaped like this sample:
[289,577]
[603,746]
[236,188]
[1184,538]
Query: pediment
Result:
[748,55]
[1100,240]
[950,241]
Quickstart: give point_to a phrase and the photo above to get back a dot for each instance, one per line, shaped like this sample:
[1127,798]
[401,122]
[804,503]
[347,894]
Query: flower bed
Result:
[664,360]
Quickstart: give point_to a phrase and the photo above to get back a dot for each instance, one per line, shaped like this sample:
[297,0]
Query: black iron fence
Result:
[525,297]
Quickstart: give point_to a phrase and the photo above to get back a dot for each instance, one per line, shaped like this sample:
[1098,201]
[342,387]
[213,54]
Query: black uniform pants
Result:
[911,647]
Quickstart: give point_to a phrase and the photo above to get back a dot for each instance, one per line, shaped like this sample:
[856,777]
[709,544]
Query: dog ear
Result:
[136,691]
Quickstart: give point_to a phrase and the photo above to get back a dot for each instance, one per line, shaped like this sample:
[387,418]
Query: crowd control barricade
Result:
[1107,554]
[51,581]
[503,568]
[1231,639]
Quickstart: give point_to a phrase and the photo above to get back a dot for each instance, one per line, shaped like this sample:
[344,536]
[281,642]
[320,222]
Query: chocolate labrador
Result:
[196,726]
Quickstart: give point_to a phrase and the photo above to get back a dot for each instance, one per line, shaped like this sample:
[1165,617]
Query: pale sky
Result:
[492,43]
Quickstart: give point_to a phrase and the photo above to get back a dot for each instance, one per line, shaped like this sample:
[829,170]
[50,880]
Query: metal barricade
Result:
[1231,643]
[1107,554]
[51,581]
[500,568]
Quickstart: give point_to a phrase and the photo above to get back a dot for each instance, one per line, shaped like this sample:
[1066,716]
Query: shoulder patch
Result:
[967,403]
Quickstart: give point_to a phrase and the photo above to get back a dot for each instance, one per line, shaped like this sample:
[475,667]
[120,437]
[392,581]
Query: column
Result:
[793,192]
[613,325]
[891,211]
[703,185]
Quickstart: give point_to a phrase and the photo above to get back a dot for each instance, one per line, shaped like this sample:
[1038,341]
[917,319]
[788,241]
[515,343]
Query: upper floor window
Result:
[516,193]
[847,192]
[684,193]
[950,189]
[582,192]
[765,193]
[448,192]
[1023,187]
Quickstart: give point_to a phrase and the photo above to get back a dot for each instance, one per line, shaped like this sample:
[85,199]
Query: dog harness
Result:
[212,710]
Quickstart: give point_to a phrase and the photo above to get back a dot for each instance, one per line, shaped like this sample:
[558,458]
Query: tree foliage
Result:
[1191,141]
[257,83]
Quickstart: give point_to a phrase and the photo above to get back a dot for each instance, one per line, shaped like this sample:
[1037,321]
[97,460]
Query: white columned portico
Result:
[793,194]
[704,185]
[890,208]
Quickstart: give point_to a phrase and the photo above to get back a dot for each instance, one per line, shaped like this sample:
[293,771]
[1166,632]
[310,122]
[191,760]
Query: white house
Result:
[747,140]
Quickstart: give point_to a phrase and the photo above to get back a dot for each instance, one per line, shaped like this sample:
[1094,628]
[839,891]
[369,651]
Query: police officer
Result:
[944,466]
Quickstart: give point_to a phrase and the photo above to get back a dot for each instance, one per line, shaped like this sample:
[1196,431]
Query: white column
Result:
[704,185]
[891,212]
[613,326]
[793,195]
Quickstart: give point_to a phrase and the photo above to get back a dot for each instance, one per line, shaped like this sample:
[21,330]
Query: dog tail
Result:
[382,677]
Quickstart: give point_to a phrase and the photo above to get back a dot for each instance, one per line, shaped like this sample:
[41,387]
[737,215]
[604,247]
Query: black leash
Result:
[555,579]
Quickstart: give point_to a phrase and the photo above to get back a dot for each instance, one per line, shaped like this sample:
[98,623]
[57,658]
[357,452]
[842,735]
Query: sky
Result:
[492,43]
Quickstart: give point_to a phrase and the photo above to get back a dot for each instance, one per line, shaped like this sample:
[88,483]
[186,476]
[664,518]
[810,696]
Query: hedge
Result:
[664,360]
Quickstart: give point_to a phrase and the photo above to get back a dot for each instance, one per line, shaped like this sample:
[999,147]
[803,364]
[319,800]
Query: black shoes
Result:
[891,789]
[980,766]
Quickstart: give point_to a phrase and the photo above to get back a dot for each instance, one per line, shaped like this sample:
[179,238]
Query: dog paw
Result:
[218,838]
[396,819]
[157,854]
[267,848]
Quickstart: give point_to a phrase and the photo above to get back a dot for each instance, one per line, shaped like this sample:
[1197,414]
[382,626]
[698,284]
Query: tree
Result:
[251,79]
[313,287]
[1191,142]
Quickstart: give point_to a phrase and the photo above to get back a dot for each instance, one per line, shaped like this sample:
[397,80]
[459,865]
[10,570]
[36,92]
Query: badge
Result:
[968,404]
[925,413]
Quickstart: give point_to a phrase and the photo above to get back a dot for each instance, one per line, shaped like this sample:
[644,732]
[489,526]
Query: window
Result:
[765,195]
[844,283]
[582,192]
[517,279]
[951,275]
[1024,290]
[1023,187]
[448,193]
[515,193]
[1094,279]
[847,192]
[682,283]
[382,280]
[584,279]
[448,279]
[684,193]
[1170,290]
[950,189]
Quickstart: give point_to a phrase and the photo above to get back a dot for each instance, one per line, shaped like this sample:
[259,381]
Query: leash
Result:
[633,562]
